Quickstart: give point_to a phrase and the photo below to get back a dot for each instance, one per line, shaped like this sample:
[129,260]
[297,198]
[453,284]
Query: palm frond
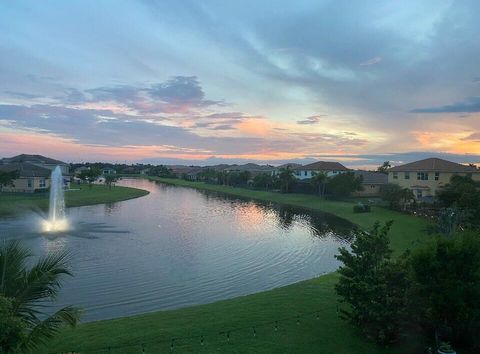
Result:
[49,327]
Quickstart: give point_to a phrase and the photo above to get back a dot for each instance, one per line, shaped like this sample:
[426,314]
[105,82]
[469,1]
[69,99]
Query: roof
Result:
[26,169]
[372,177]
[433,164]
[33,159]
[323,166]
[289,165]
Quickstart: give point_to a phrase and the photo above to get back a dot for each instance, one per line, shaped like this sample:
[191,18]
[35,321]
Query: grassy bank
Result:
[11,203]
[319,329]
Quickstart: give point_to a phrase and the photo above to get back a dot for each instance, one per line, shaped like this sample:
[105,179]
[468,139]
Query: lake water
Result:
[178,247]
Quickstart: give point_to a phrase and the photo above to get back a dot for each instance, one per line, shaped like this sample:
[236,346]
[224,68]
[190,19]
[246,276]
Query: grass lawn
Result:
[11,203]
[325,334]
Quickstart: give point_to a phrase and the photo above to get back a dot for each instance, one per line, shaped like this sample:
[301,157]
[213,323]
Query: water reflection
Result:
[178,246]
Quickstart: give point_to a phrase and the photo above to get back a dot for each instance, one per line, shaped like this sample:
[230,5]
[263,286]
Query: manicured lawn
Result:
[327,334]
[11,203]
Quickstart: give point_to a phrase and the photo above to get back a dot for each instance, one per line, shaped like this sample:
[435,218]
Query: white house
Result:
[329,168]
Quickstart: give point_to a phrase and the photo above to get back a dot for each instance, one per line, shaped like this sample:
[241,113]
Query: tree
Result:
[263,180]
[445,290]
[396,195]
[319,181]
[7,178]
[385,167]
[90,175]
[463,193]
[373,285]
[161,171]
[109,180]
[343,184]
[286,179]
[25,289]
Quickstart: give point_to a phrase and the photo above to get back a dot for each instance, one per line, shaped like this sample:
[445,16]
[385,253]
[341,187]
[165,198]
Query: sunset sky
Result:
[269,81]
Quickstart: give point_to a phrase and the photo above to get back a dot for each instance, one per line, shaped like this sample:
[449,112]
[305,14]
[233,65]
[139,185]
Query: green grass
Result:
[327,334]
[13,203]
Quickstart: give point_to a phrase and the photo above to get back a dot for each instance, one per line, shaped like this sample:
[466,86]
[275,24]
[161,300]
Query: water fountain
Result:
[56,221]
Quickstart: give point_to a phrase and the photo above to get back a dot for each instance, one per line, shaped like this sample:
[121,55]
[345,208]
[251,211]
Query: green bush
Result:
[361,208]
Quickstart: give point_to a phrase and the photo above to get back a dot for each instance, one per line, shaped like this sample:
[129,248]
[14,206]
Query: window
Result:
[407,175]
[297,173]
[419,193]
[437,176]
[422,176]
[305,173]
[42,183]
[334,172]
[29,183]
[395,175]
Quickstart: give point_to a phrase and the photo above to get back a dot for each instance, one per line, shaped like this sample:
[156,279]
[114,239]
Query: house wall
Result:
[430,186]
[21,185]
[307,174]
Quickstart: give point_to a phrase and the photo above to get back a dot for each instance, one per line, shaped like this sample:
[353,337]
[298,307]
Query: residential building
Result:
[30,178]
[276,171]
[426,177]
[38,160]
[106,170]
[372,183]
[329,168]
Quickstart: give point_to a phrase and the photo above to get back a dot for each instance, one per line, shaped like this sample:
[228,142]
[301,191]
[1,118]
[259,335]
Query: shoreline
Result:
[12,204]
[328,333]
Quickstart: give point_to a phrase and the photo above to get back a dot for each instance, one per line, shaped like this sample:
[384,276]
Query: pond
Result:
[178,247]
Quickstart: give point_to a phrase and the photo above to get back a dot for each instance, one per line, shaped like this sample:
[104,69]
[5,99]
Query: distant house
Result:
[276,171]
[30,178]
[38,160]
[372,183]
[327,167]
[108,171]
[426,176]
[81,169]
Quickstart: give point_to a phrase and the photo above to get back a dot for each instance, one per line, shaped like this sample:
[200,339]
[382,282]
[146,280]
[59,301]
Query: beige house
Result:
[425,177]
[30,178]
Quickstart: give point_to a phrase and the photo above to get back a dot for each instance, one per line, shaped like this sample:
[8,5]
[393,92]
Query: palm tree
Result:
[24,295]
[286,179]
[318,180]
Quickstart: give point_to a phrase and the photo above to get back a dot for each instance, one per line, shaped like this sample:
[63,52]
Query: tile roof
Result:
[33,158]
[323,166]
[26,169]
[372,177]
[433,164]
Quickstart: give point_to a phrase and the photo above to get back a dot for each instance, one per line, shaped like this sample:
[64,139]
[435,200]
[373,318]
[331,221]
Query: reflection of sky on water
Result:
[178,247]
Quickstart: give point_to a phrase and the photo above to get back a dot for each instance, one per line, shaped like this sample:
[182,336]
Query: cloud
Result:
[179,94]
[371,61]
[470,105]
[21,94]
[474,136]
[311,120]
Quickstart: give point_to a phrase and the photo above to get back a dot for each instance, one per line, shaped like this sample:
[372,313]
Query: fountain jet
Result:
[56,216]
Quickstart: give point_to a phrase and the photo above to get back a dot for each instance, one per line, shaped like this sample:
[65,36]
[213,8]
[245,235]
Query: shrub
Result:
[361,208]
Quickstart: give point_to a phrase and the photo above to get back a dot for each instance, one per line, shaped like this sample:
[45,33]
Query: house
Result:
[276,171]
[80,169]
[30,178]
[426,176]
[106,170]
[329,168]
[38,160]
[372,183]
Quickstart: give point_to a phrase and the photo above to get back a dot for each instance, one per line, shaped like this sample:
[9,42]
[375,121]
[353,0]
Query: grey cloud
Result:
[311,120]
[470,105]
[474,136]
[21,94]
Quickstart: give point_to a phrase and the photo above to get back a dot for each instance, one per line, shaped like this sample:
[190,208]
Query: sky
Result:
[235,81]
